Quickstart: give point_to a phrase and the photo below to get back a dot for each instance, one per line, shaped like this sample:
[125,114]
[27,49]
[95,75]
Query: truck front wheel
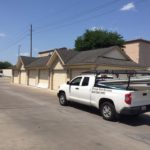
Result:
[108,111]
[62,99]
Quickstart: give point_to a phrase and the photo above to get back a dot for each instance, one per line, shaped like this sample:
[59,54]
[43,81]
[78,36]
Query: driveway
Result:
[32,119]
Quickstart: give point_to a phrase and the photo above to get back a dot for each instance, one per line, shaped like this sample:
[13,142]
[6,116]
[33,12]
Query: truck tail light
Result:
[128,98]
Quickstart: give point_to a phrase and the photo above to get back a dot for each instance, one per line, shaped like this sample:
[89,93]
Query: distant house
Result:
[139,51]
[49,52]
[56,67]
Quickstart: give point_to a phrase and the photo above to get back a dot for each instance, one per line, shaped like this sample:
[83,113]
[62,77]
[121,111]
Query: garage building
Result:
[58,66]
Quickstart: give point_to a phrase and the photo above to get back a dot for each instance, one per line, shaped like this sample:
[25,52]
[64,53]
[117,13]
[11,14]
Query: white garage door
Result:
[23,77]
[59,77]
[16,76]
[77,72]
[43,78]
[32,77]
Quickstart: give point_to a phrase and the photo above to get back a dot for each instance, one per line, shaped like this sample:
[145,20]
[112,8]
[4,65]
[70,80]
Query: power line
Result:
[19,49]
[16,42]
[79,20]
[84,19]
[62,10]
[82,13]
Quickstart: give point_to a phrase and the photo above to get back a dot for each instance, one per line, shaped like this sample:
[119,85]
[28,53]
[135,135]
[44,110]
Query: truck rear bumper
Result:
[135,110]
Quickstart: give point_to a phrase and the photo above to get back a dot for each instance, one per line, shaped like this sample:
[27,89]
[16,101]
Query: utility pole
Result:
[31,40]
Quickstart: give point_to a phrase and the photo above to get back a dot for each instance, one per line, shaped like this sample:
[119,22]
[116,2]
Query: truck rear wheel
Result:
[108,111]
[62,99]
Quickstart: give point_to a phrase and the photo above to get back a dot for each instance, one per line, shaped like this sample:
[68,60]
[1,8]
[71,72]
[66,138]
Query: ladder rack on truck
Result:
[130,74]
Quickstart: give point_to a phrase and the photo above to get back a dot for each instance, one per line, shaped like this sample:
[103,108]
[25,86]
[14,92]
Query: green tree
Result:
[5,65]
[93,39]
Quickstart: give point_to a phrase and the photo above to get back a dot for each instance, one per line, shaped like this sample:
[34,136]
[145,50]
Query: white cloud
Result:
[24,54]
[96,28]
[127,7]
[2,34]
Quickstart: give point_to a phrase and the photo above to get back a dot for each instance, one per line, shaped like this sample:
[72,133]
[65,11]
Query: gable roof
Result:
[39,62]
[66,55]
[63,54]
[137,40]
[93,56]
[52,50]
[72,57]
[24,60]
[27,60]
[97,57]
[89,56]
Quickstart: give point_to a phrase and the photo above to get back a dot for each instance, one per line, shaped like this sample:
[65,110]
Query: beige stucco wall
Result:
[144,54]
[58,65]
[132,50]
[77,71]
[58,74]
[22,67]
[139,52]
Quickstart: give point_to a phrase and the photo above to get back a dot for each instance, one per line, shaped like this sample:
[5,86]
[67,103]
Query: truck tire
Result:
[62,99]
[108,111]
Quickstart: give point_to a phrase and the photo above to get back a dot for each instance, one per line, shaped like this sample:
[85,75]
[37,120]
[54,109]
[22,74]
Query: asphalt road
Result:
[32,119]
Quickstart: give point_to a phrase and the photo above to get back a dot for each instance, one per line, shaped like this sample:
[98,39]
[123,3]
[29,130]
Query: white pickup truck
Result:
[110,98]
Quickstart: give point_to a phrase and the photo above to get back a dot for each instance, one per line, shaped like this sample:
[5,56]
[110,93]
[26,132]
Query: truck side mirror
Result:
[68,82]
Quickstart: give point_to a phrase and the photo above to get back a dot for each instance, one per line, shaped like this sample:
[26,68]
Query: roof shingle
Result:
[71,57]
[27,60]
[39,62]
[66,55]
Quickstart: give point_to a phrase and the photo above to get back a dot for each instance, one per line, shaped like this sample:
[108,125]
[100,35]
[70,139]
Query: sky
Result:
[57,23]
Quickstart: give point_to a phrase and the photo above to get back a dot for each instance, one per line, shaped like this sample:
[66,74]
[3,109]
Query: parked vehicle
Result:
[112,97]
[1,74]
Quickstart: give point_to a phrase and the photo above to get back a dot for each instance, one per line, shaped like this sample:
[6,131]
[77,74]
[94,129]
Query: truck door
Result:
[74,88]
[85,91]
[80,92]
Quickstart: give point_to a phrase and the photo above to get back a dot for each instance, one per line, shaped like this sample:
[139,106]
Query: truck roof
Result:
[87,74]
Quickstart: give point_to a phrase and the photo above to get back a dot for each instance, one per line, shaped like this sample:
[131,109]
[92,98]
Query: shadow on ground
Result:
[140,120]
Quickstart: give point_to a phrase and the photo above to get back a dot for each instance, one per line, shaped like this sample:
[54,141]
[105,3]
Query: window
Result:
[76,81]
[85,81]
